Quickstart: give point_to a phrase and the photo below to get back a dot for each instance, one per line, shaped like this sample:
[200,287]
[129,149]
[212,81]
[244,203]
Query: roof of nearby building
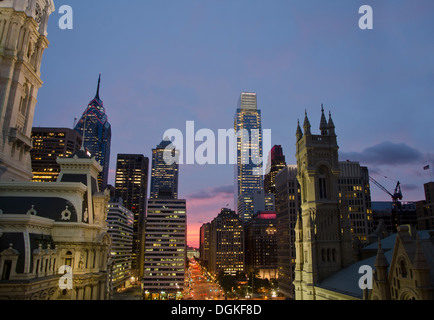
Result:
[346,281]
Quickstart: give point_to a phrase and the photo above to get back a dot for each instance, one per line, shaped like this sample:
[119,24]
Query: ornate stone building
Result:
[23,39]
[323,235]
[47,229]
[329,265]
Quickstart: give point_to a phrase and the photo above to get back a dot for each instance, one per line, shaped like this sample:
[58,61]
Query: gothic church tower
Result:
[323,234]
[23,39]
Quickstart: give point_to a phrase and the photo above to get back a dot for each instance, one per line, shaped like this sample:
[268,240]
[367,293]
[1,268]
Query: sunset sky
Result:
[165,62]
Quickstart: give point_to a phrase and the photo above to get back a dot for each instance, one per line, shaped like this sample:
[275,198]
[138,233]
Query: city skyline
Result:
[195,58]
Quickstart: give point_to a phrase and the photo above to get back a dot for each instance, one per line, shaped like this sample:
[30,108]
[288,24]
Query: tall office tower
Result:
[120,228]
[48,144]
[96,132]
[248,171]
[250,204]
[355,193]
[287,211]
[227,243]
[204,238]
[165,249]
[323,235]
[275,163]
[132,186]
[261,245]
[23,39]
[164,175]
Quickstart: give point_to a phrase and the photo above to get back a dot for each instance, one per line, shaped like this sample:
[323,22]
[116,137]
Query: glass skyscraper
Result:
[248,171]
[96,132]
[164,175]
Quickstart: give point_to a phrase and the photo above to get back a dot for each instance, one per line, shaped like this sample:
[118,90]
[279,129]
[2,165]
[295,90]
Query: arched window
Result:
[403,268]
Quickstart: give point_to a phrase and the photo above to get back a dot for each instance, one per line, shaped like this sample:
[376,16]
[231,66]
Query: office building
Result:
[96,132]
[261,245]
[48,144]
[23,39]
[131,185]
[355,194]
[249,168]
[120,228]
[275,163]
[164,174]
[288,200]
[165,249]
[227,243]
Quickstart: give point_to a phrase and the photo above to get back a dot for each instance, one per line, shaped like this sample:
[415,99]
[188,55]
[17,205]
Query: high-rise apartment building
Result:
[23,39]
[249,168]
[165,249]
[164,175]
[275,163]
[96,132]
[131,186]
[227,243]
[120,228]
[48,144]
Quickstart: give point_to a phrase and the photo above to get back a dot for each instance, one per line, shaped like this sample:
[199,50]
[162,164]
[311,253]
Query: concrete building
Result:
[165,249]
[204,243]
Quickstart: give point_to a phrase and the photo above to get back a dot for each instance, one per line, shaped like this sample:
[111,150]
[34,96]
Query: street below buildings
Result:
[201,287]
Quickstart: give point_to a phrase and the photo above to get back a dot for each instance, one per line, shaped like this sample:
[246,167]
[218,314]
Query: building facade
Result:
[261,245]
[355,193]
[54,243]
[23,40]
[165,249]
[249,167]
[164,174]
[227,243]
[48,144]
[120,223]
[288,200]
[131,185]
[96,132]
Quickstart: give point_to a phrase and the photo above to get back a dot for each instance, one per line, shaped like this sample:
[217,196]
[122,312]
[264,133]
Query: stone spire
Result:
[331,126]
[299,133]
[323,123]
[306,125]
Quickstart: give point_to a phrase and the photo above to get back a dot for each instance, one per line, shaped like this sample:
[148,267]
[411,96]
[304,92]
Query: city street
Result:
[201,287]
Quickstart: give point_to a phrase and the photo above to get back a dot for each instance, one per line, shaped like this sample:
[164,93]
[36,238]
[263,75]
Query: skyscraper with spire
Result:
[96,132]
